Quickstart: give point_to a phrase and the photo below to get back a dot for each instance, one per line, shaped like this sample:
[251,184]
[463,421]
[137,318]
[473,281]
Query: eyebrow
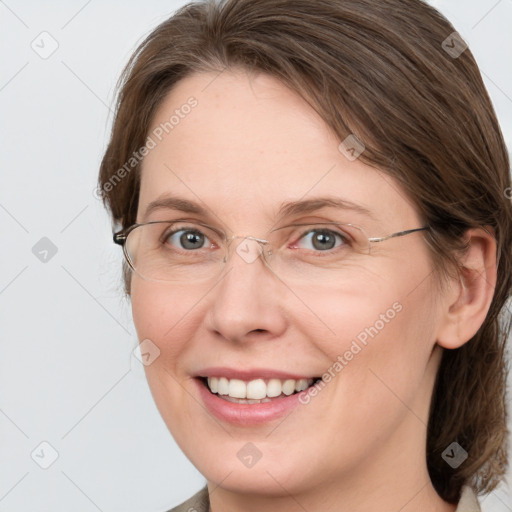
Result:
[312,205]
[286,209]
[175,203]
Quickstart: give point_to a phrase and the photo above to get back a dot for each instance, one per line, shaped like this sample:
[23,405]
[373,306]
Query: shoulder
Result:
[468,501]
[198,503]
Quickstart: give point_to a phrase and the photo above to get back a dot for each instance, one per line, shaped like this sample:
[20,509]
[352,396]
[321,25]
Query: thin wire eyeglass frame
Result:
[121,236]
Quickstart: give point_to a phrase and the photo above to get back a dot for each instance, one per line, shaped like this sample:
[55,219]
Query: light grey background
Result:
[67,374]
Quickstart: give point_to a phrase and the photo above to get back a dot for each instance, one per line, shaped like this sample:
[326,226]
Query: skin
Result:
[360,443]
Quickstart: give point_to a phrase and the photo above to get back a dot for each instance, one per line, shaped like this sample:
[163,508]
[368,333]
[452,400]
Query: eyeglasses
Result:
[189,251]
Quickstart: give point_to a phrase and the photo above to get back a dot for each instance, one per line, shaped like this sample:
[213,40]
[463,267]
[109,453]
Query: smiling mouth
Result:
[256,391]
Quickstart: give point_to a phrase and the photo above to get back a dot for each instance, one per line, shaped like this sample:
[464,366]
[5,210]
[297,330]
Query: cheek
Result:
[376,336]
[355,313]
[157,309]
[165,315]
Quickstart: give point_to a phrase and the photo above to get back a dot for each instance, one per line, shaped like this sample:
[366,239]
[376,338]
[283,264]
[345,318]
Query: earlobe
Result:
[468,300]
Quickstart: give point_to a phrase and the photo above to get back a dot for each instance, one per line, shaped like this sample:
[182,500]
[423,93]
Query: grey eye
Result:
[321,240]
[187,239]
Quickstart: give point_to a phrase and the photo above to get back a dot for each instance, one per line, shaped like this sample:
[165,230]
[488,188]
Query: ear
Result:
[468,299]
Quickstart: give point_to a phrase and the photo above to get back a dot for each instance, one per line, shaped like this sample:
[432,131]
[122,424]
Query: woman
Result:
[311,197]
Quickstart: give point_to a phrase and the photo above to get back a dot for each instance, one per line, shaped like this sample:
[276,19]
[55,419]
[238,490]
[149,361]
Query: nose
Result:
[248,301]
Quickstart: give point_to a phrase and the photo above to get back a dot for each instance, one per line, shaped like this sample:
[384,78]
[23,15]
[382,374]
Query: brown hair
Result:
[381,71]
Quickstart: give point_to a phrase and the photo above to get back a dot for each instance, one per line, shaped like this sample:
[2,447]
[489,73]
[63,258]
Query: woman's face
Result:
[245,148]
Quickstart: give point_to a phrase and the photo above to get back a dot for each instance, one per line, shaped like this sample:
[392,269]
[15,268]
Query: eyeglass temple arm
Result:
[119,238]
[400,233]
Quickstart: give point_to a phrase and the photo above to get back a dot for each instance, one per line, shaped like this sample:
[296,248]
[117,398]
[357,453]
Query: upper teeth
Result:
[258,388]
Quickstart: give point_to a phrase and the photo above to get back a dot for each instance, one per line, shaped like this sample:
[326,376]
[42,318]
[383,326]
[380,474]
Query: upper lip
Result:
[251,374]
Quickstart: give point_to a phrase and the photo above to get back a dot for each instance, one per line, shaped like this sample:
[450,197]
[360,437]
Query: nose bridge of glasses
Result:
[249,248]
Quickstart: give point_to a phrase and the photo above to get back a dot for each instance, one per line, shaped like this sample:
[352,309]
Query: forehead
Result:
[247,145]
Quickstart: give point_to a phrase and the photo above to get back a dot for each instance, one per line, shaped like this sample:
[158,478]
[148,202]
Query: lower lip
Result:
[247,414]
